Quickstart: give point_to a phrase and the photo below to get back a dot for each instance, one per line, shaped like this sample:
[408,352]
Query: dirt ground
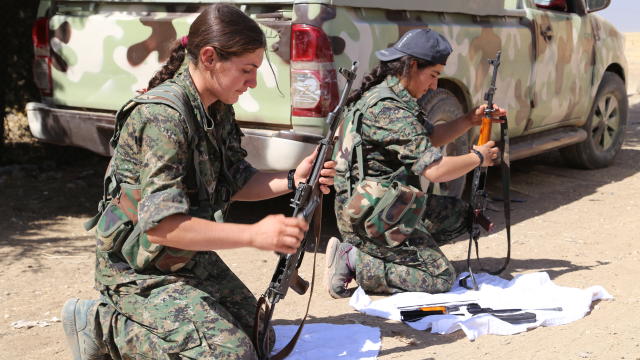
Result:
[579,226]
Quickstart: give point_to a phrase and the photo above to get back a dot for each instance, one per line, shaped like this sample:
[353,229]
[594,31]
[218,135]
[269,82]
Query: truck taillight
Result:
[314,88]
[42,60]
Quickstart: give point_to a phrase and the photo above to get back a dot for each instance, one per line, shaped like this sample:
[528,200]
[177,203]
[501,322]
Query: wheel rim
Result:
[605,122]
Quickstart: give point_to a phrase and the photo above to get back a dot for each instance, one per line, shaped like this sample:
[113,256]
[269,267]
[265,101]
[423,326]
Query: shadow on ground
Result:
[553,267]
[41,185]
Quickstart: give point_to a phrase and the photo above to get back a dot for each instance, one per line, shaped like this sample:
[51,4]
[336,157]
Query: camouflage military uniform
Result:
[197,309]
[395,137]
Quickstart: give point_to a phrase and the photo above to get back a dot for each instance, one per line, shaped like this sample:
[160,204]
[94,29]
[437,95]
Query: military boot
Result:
[339,271]
[79,324]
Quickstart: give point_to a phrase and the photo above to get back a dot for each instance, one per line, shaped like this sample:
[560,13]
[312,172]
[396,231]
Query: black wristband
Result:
[291,184]
[479,155]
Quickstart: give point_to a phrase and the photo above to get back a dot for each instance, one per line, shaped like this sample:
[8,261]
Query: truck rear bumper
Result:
[86,129]
[267,149]
[277,150]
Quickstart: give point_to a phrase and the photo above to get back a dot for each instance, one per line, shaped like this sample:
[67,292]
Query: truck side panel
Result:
[356,33]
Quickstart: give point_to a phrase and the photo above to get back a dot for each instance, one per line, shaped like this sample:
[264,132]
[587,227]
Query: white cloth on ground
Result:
[525,291]
[330,341]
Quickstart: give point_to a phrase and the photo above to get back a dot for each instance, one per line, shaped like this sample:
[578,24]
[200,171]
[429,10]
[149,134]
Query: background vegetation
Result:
[16,58]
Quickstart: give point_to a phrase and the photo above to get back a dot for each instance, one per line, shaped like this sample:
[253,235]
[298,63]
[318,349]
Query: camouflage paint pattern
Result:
[161,302]
[102,57]
[397,249]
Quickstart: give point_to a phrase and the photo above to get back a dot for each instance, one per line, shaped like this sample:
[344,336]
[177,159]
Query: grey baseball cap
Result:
[425,44]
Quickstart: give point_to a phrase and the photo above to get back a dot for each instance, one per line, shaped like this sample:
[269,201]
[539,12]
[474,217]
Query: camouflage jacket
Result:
[153,153]
[393,135]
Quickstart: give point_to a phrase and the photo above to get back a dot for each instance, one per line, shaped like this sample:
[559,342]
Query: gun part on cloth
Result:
[512,316]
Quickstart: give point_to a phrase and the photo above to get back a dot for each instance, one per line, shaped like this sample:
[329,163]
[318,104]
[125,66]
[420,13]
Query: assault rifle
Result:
[478,195]
[305,201]
[512,316]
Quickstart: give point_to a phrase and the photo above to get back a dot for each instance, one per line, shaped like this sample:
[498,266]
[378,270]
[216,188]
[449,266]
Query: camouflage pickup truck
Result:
[562,77]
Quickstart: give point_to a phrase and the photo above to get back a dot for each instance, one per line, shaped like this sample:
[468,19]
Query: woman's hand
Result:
[278,233]
[476,115]
[489,152]
[326,174]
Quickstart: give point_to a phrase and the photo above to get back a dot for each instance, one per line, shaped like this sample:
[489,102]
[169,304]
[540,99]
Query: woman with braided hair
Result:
[177,164]
[390,230]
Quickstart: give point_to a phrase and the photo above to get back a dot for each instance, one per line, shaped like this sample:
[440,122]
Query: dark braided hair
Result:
[222,26]
[399,67]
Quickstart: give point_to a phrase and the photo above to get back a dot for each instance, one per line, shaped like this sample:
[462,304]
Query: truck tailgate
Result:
[103,52]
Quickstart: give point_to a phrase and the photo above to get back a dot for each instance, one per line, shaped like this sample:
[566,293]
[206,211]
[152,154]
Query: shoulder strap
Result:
[377,94]
[165,94]
[173,96]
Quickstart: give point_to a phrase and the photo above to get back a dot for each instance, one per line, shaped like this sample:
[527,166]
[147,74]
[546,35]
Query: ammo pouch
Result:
[118,220]
[385,211]
[117,231]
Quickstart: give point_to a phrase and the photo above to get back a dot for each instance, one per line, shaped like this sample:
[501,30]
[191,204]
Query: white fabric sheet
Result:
[527,291]
[330,341]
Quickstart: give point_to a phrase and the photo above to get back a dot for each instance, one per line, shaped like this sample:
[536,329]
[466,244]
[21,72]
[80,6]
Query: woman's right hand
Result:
[489,151]
[278,233]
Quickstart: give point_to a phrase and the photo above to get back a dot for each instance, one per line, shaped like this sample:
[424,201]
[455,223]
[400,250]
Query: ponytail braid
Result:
[170,67]
[399,67]
[375,77]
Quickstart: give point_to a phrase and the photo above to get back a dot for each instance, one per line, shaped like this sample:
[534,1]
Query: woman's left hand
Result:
[326,174]
[475,116]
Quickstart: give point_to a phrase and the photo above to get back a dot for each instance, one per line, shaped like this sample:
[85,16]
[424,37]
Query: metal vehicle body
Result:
[562,78]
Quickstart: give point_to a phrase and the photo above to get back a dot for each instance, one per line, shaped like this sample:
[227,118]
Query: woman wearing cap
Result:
[386,139]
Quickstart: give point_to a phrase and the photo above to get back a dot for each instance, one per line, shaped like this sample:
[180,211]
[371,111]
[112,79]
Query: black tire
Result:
[440,106]
[605,127]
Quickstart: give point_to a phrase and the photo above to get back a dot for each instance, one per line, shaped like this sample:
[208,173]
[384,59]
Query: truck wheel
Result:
[440,106]
[605,127]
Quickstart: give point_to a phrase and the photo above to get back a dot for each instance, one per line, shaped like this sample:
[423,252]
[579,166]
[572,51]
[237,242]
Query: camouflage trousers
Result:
[205,316]
[417,264]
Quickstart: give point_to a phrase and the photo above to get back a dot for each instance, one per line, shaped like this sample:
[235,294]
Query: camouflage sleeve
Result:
[239,169]
[164,153]
[399,131]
